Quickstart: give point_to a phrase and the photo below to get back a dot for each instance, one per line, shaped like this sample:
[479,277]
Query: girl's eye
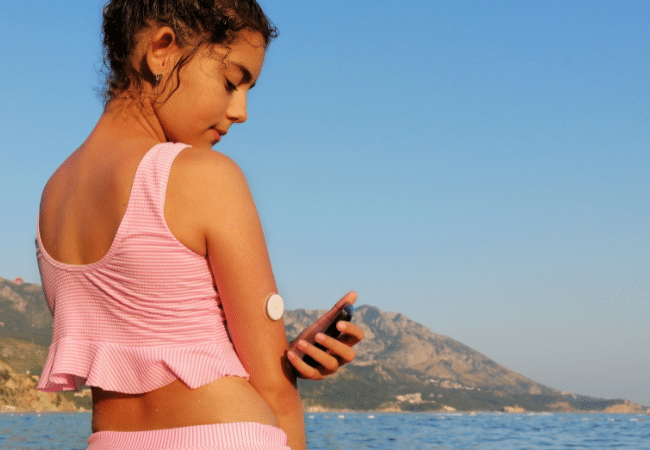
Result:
[230,87]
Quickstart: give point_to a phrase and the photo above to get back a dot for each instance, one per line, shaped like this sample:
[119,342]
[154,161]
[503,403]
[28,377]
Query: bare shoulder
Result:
[203,170]
[207,192]
[205,160]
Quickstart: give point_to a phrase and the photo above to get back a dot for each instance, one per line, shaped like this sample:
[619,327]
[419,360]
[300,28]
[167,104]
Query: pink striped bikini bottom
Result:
[219,436]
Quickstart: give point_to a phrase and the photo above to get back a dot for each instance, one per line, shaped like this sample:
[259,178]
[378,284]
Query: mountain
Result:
[23,312]
[401,366]
[393,340]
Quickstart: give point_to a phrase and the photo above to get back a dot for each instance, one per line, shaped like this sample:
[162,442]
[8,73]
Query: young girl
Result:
[149,243]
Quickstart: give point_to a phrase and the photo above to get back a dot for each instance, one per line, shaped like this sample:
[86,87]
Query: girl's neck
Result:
[132,117]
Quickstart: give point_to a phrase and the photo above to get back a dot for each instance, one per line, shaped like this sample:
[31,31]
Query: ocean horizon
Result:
[384,431]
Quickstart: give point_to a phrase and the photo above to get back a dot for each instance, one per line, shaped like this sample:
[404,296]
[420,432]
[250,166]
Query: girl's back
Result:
[82,208]
[85,199]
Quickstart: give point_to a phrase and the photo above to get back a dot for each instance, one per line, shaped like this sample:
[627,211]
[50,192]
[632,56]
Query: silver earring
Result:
[158,78]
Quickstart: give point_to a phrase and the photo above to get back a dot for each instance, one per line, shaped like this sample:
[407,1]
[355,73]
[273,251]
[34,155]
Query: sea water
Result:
[343,431]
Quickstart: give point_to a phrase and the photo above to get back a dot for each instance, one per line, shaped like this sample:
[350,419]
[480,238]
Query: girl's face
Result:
[211,92]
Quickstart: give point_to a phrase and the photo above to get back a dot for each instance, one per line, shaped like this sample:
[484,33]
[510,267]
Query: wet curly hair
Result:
[194,22]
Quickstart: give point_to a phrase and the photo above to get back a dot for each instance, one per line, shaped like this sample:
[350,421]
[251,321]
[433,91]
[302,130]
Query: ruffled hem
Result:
[71,364]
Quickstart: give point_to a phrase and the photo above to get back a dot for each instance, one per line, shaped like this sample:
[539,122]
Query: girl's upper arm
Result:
[240,263]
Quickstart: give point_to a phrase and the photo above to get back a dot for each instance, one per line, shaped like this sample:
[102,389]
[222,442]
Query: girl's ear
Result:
[162,52]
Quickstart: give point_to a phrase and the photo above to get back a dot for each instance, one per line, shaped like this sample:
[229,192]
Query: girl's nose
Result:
[237,109]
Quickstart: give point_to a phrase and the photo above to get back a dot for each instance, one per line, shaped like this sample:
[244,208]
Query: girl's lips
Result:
[217,135]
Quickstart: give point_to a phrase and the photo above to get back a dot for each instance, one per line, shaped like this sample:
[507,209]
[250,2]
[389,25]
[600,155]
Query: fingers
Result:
[328,361]
[350,333]
[342,352]
[327,364]
[337,351]
[303,369]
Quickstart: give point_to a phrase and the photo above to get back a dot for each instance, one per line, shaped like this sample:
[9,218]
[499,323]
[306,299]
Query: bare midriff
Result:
[227,399]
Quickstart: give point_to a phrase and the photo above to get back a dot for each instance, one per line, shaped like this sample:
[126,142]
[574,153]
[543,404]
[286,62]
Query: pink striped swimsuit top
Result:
[145,314]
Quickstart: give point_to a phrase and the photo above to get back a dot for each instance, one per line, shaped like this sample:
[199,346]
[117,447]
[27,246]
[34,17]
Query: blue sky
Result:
[481,167]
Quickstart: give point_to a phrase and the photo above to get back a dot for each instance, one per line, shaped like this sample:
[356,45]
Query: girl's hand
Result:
[339,352]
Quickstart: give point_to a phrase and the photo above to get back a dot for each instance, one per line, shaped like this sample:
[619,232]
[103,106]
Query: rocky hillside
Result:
[400,366]
[18,393]
[395,341]
[23,313]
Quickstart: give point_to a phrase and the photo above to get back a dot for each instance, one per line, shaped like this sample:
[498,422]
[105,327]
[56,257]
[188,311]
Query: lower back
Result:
[227,399]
